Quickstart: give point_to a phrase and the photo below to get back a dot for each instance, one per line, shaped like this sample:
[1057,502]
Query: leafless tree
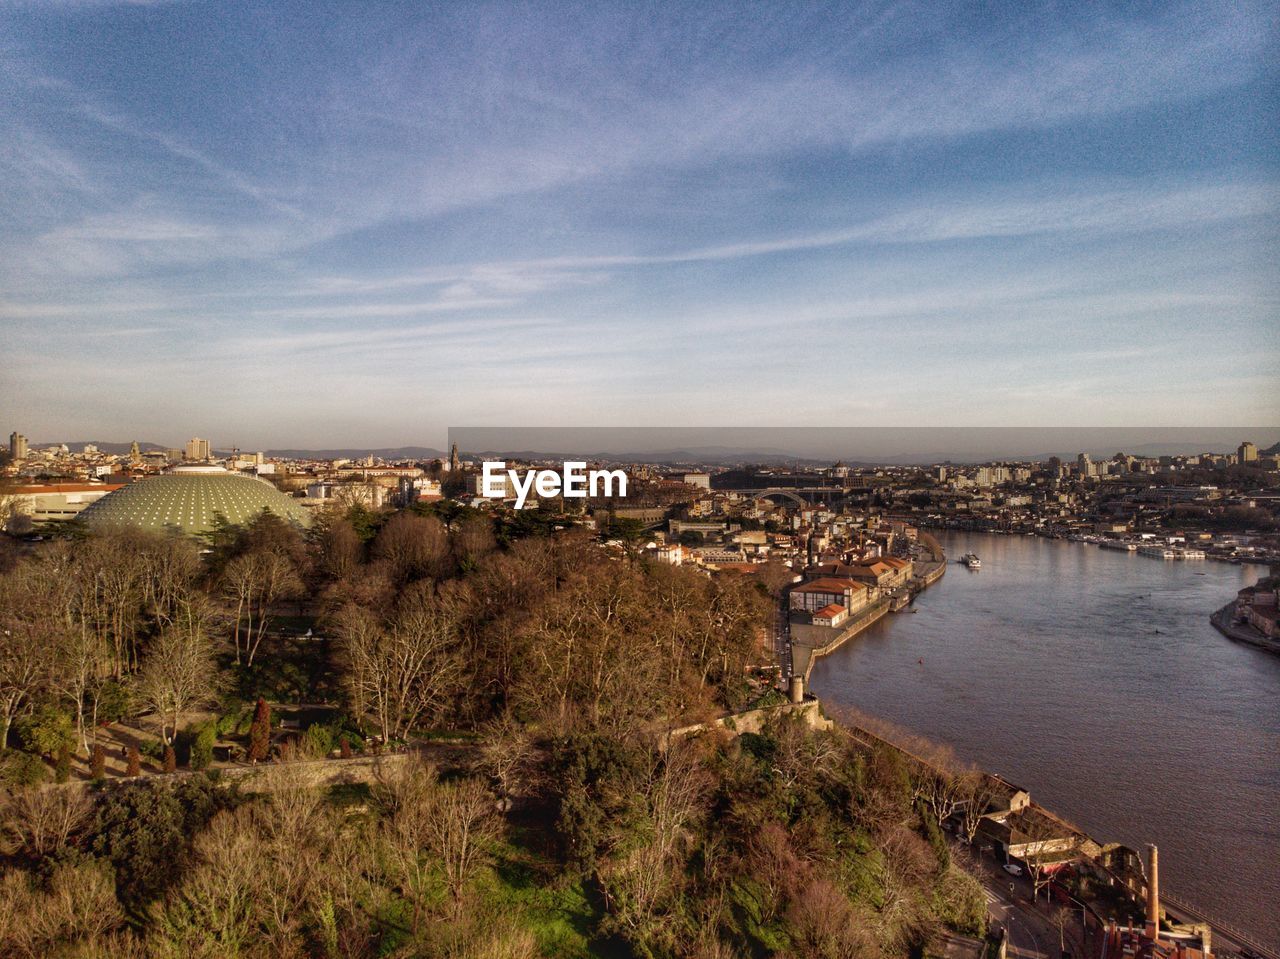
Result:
[673,791]
[399,672]
[825,924]
[255,581]
[25,647]
[429,825]
[979,793]
[38,822]
[413,546]
[179,674]
[75,913]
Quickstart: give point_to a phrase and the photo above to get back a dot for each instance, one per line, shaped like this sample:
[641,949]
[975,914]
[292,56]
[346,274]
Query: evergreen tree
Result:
[62,769]
[260,732]
[133,762]
[99,761]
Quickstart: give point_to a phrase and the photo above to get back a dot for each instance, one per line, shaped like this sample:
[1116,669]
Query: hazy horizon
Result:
[906,445]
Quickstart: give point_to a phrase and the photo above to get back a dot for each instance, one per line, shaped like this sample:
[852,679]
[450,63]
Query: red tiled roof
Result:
[68,488]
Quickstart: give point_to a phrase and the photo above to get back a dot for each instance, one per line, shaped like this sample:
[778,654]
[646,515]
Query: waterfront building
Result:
[820,593]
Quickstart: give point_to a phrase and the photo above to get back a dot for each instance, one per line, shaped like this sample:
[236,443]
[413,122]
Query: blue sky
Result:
[314,224]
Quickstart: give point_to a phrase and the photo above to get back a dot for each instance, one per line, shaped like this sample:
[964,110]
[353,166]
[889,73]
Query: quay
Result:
[800,655]
[1224,622]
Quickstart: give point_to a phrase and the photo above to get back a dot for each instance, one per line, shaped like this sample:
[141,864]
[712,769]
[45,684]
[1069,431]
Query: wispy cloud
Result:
[620,213]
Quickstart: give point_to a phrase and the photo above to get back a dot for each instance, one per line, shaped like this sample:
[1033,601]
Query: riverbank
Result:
[1210,553]
[1224,622]
[804,655]
[1092,678]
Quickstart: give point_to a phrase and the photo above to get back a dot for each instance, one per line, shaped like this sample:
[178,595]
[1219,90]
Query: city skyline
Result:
[310,231]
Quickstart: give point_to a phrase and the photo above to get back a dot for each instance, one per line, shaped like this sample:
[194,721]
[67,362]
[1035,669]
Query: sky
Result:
[313,225]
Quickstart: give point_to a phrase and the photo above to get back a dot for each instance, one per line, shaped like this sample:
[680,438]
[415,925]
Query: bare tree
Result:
[255,581]
[179,673]
[505,754]
[413,546]
[942,791]
[25,649]
[39,822]
[673,791]
[399,672]
[453,824]
[980,792]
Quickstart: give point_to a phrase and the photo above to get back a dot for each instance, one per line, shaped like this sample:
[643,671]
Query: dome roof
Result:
[188,498]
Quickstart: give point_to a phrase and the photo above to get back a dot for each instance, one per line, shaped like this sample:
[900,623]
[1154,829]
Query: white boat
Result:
[971,560]
[1158,552]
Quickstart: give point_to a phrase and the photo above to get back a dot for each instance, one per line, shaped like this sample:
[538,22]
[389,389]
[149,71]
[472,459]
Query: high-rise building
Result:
[1248,453]
[197,449]
[1084,465]
[17,447]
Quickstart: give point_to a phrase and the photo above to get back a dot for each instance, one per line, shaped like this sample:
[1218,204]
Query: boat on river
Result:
[971,560]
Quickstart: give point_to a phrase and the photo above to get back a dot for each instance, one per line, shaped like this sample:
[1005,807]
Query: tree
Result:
[133,761]
[37,823]
[98,763]
[25,651]
[81,660]
[398,672]
[178,675]
[413,546]
[260,732]
[979,792]
[255,581]
[340,547]
[453,823]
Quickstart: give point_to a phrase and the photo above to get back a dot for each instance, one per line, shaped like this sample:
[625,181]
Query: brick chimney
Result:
[1153,894]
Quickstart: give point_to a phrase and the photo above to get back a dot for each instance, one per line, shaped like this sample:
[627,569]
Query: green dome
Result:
[187,499]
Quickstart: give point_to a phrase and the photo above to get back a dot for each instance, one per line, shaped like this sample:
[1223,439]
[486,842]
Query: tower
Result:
[17,447]
[453,458]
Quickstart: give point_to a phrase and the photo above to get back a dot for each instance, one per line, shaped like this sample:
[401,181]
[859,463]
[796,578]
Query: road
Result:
[782,641]
[1033,933]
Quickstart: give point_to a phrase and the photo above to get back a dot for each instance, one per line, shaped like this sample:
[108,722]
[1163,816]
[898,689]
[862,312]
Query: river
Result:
[1092,678]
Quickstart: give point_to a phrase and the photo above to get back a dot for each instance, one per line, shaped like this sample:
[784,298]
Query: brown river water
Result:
[1093,678]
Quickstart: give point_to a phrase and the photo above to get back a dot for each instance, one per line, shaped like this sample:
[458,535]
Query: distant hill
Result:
[118,448]
[395,453]
[709,456]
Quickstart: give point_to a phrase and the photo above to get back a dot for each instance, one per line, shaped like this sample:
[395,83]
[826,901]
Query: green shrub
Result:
[62,767]
[319,739]
[46,731]
[20,770]
[202,746]
[115,702]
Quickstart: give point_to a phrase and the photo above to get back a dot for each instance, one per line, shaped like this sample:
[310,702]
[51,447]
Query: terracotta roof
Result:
[830,612]
[828,585]
[67,488]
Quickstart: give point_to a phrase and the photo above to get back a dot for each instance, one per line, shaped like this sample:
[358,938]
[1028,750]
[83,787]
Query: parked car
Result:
[1012,868]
